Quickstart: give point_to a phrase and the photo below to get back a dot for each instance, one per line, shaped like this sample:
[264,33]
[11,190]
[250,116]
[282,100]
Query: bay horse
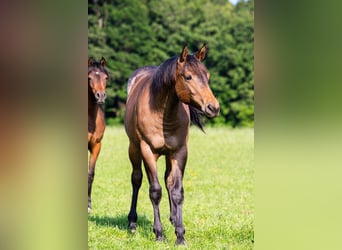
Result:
[161,103]
[97,77]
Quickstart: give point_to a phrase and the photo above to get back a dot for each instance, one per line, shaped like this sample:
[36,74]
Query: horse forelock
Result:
[97,67]
[194,65]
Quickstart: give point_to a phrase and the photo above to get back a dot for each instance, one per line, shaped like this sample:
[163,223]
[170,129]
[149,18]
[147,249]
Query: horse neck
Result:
[167,102]
[163,87]
[93,108]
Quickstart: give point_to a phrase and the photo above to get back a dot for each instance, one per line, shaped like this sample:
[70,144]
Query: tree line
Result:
[136,33]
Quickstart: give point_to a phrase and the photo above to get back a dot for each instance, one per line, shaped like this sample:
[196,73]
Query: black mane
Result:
[164,75]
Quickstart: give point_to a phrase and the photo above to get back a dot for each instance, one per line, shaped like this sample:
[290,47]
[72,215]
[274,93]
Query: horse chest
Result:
[165,142]
[159,144]
[163,136]
[96,129]
[173,142]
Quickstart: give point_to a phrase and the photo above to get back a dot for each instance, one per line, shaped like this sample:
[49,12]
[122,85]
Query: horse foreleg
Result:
[155,189]
[136,179]
[177,196]
[169,184]
[94,153]
[176,192]
[155,196]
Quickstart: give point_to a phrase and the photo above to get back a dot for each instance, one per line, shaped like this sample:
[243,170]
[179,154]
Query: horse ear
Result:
[184,54]
[201,53]
[90,61]
[103,62]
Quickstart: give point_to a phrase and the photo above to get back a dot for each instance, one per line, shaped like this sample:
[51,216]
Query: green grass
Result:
[218,208]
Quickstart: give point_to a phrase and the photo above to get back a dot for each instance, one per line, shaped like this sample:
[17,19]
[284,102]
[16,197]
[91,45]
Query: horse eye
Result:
[188,77]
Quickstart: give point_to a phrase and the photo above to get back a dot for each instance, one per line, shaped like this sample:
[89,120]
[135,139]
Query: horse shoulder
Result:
[150,126]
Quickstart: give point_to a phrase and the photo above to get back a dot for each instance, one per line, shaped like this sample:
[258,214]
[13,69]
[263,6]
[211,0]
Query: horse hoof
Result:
[180,242]
[89,210]
[159,238]
[132,227]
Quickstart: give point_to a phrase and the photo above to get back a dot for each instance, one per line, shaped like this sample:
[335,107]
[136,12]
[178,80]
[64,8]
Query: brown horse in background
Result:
[161,103]
[97,77]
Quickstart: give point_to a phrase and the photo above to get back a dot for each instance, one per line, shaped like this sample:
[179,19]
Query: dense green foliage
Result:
[218,210]
[136,33]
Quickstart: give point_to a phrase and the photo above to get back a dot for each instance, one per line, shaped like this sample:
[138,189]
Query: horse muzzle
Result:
[211,110]
[100,97]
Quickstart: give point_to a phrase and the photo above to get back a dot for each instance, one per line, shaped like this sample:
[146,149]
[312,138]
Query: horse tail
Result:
[195,118]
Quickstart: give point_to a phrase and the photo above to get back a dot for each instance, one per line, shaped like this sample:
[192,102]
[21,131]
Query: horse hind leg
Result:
[136,180]
[94,153]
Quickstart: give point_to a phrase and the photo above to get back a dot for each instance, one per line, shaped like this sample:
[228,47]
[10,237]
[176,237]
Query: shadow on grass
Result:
[143,224]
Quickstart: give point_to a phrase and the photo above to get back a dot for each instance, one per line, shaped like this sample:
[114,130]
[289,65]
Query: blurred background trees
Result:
[136,33]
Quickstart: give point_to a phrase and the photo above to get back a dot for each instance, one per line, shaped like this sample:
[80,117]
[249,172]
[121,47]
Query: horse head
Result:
[192,82]
[97,78]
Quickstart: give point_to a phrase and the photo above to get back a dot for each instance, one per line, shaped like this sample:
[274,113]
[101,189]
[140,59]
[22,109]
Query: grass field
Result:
[218,207]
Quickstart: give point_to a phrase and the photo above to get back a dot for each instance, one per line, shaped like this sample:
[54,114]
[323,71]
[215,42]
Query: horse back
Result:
[138,75]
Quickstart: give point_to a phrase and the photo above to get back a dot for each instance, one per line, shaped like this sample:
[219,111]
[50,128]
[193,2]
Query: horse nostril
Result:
[211,107]
[101,95]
